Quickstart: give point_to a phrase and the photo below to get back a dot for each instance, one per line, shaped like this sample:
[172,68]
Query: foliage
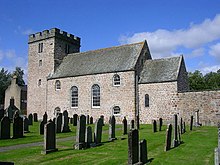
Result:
[210,81]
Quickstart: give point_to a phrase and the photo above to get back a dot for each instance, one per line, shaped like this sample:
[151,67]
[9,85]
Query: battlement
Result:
[54,32]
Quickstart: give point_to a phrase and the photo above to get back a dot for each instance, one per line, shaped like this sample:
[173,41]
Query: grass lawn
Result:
[197,148]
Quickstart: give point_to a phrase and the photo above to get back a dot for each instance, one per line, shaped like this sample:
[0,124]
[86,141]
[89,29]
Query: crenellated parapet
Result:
[54,32]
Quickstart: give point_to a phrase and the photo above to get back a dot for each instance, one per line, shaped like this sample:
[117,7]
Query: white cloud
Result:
[210,69]
[215,50]
[28,32]
[164,42]
[10,54]
[1,55]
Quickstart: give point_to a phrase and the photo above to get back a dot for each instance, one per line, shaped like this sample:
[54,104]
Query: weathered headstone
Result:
[43,122]
[30,119]
[45,117]
[49,138]
[181,125]
[197,124]
[91,120]
[5,128]
[98,131]
[35,117]
[133,150]
[2,113]
[184,127]
[191,123]
[26,125]
[154,125]
[80,132]
[11,109]
[103,120]
[75,119]
[88,138]
[143,151]
[160,124]
[87,119]
[168,138]
[132,124]
[59,123]
[65,124]
[18,126]
[124,126]
[175,140]
[112,128]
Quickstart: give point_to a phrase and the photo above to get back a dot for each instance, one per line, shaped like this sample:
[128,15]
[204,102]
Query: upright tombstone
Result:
[181,125]
[18,126]
[5,128]
[102,117]
[88,138]
[43,122]
[11,109]
[154,125]
[30,119]
[143,151]
[87,119]
[132,124]
[49,138]
[59,123]
[35,117]
[91,120]
[80,132]
[71,120]
[191,123]
[160,124]
[98,131]
[65,124]
[133,150]
[26,125]
[75,119]
[124,126]
[112,128]
[2,113]
[197,124]
[45,117]
[179,134]
[175,140]
[184,127]
[168,138]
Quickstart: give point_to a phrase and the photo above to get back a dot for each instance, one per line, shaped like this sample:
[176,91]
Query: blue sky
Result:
[171,28]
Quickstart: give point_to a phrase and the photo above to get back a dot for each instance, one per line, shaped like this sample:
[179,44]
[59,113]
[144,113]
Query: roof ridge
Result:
[165,58]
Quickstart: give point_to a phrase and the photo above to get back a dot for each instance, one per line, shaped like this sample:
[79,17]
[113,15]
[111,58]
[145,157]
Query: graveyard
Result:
[195,146]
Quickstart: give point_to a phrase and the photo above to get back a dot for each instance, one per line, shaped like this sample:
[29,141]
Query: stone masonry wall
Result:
[122,96]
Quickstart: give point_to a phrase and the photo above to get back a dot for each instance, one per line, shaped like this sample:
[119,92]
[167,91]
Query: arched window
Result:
[39,82]
[57,111]
[116,80]
[146,100]
[116,110]
[74,96]
[95,95]
[57,85]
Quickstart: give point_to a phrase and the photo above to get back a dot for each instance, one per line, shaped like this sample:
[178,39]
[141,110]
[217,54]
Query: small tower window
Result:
[40,47]
[116,110]
[57,85]
[95,96]
[40,62]
[67,49]
[39,82]
[74,97]
[116,80]
[146,100]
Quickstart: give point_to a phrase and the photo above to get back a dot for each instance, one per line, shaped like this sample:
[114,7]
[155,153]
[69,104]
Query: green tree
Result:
[5,79]
[20,74]
[196,80]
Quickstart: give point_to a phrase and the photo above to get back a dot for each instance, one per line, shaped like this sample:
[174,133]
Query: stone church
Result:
[123,81]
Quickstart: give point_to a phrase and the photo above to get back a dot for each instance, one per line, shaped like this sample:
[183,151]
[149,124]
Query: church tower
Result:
[46,51]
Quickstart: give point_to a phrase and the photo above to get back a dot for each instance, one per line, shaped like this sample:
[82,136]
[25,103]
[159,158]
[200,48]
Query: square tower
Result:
[46,51]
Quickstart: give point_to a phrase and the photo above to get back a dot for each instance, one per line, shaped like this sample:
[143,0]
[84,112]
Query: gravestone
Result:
[35,117]
[191,123]
[87,119]
[197,124]
[143,151]
[154,126]
[175,140]
[102,117]
[124,126]
[80,132]
[160,124]
[132,124]
[184,127]
[59,123]
[30,119]
[49,138]
[181,125]
[5,128]
[98,131]
[71,120]
[11,109]
[65,124]
[18,126]
[179,135]
[26,125]
[2,113]
[45,117]
[112,128]
[43,122]
[88,138]
[133,150]
[91,120]
[168,138]
[75,119]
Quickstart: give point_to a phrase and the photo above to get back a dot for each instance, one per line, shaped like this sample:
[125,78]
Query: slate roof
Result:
[114,59]
[160,70]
